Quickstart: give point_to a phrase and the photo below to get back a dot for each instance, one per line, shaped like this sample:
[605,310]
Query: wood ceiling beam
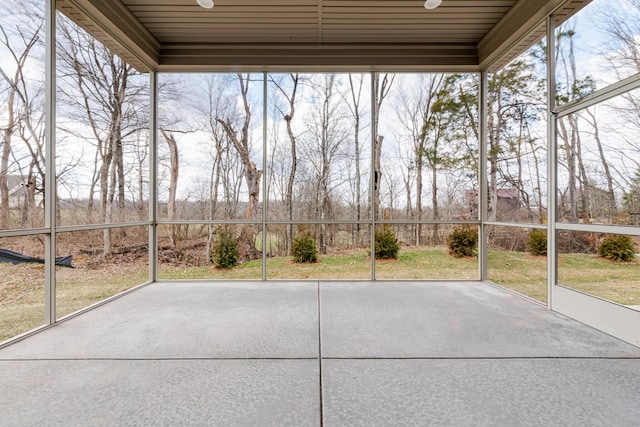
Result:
[445,57]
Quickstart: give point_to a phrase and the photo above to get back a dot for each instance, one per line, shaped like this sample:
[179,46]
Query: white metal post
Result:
[153,176]
[372,181]
[265,196]
[552,165]
[483,241]
[50,164]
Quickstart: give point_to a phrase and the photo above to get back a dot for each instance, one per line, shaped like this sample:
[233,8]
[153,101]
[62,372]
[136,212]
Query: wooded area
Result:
[327,160]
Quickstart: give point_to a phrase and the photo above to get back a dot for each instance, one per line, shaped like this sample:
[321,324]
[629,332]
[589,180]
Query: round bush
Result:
[537,243]
[386,244]
[304,249]
[462,241]
[224,253]
[617,248]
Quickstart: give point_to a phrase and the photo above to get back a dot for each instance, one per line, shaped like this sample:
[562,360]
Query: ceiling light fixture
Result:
[208,4]
[432,4]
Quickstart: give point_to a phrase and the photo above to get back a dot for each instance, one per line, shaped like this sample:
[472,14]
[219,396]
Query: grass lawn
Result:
[427,264]
[614,281]
[21,298]
[355,265]
[77,288]
[419,264]
[22,291]
[520,272]
[526,274]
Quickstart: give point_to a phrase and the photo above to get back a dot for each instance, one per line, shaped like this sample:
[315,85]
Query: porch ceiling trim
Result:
[318,57]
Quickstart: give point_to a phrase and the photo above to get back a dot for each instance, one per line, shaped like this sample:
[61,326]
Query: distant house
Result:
[19,191]
[508,206]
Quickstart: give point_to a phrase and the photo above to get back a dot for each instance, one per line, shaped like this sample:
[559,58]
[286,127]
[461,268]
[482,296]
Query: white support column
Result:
[50,164]
[372,181]
[265,196]
[153,176]
[552,157]
[483,190]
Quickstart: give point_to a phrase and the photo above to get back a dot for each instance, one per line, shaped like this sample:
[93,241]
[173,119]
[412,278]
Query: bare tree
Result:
[24,115]
[226,168]
[240,139]
[611,196]
[621,22]
[381,90]
[174,172]
[242,144]
[289,91]
[415,111]
[569,129]
[99,89]
[141,153]
[324,148]
[407,170]
[355,107]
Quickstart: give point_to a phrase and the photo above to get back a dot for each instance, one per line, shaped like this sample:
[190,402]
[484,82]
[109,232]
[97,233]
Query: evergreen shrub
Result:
[224,253]
[617,248]
[462,241]
[304,248]
[537,242]
[386,244]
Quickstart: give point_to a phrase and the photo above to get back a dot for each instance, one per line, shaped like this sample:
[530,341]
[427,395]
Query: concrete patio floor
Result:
[327,353]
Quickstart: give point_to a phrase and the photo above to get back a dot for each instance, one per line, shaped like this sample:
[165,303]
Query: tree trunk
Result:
[29,217]
[381,90]
[174,171]
[434,202]
[108,214]
[493,127]
[356,142]
[252,177]
[538,183]
[94,181]
[21,92]
[4,164]
[294,163]
[613,210]
[585,191]
[120,174]
[570,164]
[419,166]
[407,187]
[241,143]
[377,177]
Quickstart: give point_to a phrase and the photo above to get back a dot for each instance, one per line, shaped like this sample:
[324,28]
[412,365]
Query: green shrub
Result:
[617,248]
[537,242]
[386,244]
[462,241]
[224,253]
[304,248]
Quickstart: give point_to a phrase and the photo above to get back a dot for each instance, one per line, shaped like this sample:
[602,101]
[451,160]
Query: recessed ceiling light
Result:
[432,4]
[207,4]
